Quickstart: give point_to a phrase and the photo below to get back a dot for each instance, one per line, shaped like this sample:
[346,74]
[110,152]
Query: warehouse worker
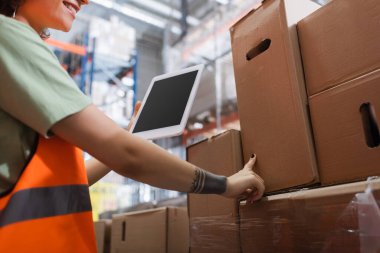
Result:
[44,200]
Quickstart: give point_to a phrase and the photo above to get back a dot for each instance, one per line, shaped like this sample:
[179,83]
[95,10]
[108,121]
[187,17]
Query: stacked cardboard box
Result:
[340,48]
[161,230]
[344,218]
[271,94]
[214,222]
[341,54]
[103,235]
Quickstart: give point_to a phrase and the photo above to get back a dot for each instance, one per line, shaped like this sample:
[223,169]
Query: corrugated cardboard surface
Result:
[158,230]
[271,94]
[213,219]
[214,234]
[339,42]
[343,153]
[320,220]
[103,235]
[178,230]
[221,155]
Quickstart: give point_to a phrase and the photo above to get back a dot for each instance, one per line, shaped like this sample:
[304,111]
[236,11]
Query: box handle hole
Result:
[259,49]
[370,126]
[123,230]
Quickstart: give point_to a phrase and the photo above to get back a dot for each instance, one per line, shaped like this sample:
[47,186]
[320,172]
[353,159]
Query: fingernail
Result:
[252,156]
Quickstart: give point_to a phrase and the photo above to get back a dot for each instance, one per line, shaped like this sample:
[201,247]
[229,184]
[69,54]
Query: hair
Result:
[8,7]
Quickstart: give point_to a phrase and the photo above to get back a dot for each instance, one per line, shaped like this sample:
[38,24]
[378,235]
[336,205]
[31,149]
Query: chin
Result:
[65,27]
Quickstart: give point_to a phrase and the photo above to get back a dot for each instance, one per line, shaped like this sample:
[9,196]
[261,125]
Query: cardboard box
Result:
[271,93]
[347,149]
[333,219]
[103,235]
[339,42]
[214,223]
[161,230]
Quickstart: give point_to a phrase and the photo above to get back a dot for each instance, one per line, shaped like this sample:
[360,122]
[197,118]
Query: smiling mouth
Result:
[72,8]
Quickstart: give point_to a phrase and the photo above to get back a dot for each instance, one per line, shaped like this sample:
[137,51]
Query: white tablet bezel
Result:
[171,130]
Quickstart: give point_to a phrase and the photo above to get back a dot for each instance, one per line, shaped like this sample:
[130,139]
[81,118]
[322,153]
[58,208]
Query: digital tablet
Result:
[167,103]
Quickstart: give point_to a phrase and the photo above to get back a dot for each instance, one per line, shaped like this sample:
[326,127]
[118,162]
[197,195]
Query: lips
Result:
[73,8]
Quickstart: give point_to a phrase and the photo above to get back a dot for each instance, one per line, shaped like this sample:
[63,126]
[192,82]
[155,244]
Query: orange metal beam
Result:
[67,46]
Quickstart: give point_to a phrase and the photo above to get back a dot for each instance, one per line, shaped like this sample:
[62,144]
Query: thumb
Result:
[137,108]
[251,163]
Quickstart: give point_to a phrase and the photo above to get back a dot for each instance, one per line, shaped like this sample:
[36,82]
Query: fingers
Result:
[260,187]
[137,108]
[251,195]
[254,196]
[257,191]
[247,194]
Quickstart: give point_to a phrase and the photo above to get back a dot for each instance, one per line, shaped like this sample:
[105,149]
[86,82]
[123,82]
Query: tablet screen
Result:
[166,102]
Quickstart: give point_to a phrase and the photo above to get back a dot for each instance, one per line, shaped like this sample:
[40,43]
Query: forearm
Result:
[126,154]
[148,163]
[95,171]
[166,172]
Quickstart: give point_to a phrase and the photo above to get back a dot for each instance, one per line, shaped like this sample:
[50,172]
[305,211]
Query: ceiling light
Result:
[167,11]
[136,13]
[223,2]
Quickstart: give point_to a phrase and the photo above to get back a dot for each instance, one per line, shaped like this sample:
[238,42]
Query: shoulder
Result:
[32,75]
[11,27]
[20,39]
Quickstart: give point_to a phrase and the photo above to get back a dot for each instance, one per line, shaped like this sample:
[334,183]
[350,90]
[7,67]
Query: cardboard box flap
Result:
[141,213]
[254,8]
[212,138]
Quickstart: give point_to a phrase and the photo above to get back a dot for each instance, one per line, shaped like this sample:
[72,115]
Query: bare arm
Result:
[94,168]
[128,155]
[139,159]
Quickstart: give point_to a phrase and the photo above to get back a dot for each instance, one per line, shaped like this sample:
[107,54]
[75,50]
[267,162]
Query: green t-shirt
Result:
[35,93]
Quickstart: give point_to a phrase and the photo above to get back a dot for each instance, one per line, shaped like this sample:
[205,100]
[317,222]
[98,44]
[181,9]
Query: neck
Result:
[27,21]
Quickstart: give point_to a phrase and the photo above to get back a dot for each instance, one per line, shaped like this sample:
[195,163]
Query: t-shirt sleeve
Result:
[34,88]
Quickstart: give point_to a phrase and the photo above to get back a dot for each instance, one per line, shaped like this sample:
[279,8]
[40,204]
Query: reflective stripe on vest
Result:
[49,209]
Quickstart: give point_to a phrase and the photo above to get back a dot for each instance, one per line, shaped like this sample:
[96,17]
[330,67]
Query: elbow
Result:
[129,162]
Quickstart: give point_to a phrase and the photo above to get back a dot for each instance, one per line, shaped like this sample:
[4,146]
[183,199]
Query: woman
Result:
[44,204]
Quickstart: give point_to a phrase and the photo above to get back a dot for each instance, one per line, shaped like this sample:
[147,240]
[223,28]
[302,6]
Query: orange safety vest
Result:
[49,209]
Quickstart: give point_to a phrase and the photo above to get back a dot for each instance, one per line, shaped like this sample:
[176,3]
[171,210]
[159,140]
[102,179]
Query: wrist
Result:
[226,192]
[208,183]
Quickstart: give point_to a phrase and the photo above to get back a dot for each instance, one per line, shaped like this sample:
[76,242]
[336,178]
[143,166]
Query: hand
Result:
[137,108]
[245,184]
